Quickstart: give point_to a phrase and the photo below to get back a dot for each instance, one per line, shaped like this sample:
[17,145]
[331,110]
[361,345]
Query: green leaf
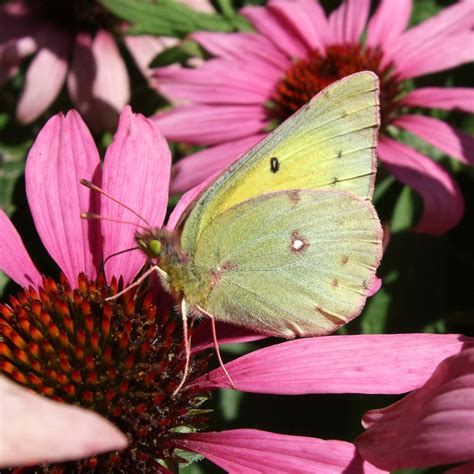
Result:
[404,214]
[168,18]
[374,318]
[177,54]
[11,168]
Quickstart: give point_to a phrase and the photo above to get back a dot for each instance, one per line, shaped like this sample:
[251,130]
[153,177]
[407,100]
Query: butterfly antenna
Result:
[98,217]
[115,255]
[216,345]
[93,187]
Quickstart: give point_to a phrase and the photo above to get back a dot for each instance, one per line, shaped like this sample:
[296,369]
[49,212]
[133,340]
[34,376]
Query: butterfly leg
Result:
[187,348]
[216,345]
[154,268]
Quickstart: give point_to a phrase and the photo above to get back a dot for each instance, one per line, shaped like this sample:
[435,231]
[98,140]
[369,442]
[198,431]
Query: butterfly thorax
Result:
[181,278]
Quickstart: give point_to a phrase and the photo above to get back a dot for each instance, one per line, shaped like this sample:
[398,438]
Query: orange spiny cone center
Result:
[307,77]
[122,359]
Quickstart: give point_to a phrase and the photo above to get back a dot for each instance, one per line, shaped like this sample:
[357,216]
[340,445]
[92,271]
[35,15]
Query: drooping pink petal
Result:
[442,198]
[375,286]
[35,429]
[208,125]
[446,98]
[14,258]
[226,334]
[136,172]
[394,363]
[306,19]
[12,53]
[245,47]
[63,153]
[348,21]
[387,24]
[273,25]
[445,54]
[195,168]
[438,43]
[431,426]
[249,451]
[45,76]
[453,142]
[98,81]
[144,48]
[217,81]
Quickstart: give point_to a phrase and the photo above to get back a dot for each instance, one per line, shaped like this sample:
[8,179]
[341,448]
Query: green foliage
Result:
[169,18]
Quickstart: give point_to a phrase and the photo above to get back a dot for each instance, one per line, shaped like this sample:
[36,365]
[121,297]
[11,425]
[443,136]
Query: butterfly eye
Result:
[154,248]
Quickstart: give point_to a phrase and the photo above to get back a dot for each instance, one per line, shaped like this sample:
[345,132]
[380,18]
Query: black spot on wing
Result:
[274,164]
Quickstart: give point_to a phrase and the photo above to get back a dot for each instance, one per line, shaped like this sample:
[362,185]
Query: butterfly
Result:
[285,242]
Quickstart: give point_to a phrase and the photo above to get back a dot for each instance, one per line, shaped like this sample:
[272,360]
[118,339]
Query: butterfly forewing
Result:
[330,144]
[287,263]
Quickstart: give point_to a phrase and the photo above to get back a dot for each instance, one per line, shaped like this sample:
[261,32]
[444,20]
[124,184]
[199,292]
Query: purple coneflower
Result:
[256,79]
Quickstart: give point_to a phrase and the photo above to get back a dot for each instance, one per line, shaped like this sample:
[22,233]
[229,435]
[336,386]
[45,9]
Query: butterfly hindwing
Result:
[287,263]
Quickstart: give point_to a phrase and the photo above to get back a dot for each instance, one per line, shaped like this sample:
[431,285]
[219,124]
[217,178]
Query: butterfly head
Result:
[151,242]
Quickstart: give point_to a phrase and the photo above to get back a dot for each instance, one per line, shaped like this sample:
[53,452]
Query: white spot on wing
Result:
[298,244]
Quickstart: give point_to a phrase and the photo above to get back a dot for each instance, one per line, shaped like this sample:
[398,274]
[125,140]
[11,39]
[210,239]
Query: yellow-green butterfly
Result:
[286,241]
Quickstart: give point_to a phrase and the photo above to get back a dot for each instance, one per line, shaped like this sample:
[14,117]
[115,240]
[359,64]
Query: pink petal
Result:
[388,23]
[446,98]
[442,55]
[376,285]
[62,154]
[217,81]
[226,334]
[394,363]
[348,21]
[244,47]
[136,172]
[186,200]
[98,82]
[251,451]
[443,201]
[273,25]
[14,258]
[209,125]
[143,50]
[18,37]
[433,425]
[448,139]
[436,44]
[306,19]
[197,167]
[12,53]
[36,429]
[45,76]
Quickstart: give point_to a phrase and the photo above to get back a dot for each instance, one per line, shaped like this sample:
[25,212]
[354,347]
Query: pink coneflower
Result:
[257,79]
[123,359]
[72,42]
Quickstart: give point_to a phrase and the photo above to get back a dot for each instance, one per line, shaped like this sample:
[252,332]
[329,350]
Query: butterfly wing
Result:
[330,143]
[289,263]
